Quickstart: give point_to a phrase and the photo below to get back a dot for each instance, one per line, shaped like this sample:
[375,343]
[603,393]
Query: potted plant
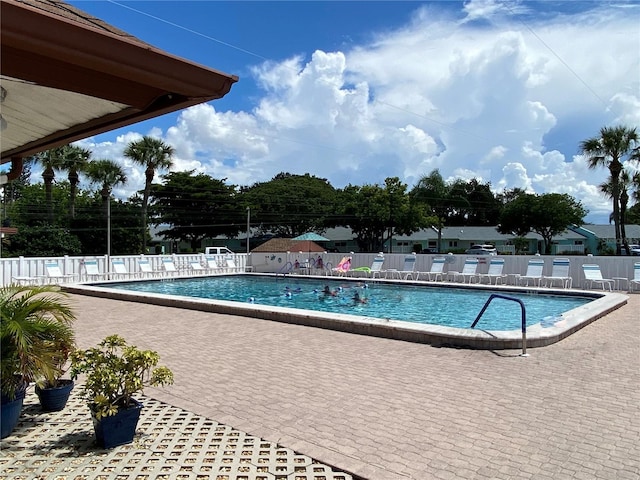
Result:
[34,323]
[52,390]
[115,371]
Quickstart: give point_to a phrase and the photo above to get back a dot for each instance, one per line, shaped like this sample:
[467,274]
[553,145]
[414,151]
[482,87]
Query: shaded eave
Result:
[121,79]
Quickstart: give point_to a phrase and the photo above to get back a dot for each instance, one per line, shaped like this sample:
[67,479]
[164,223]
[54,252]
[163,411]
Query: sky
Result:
[359,91]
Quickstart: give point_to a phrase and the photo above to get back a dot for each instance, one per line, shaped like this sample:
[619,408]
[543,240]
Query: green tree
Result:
[476,204]
[548,215]
[42,241]
[441,200]
[610,150]
[108,174]
[51,160]
[152,154]
[32,208]
[90,228]
[73,160]
[289,205]
[376,214]
[196,207]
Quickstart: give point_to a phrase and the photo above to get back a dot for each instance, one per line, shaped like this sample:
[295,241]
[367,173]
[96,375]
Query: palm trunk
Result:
[48,177]
[615,169]
[73,181]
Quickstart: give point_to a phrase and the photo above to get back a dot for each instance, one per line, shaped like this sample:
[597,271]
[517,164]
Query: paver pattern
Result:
[388,410]
[170,443]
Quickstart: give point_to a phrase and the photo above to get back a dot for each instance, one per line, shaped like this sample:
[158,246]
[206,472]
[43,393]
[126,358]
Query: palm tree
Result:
[625,183]
[610,150]
[108,174]
[50,160]
[36,334]
[73,159]
[153,154]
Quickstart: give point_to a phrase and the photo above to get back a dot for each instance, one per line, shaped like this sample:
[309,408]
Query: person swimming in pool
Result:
[327,292]
[358,299]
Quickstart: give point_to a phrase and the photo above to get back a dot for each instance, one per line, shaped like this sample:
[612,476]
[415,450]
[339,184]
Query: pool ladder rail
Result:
[523,317]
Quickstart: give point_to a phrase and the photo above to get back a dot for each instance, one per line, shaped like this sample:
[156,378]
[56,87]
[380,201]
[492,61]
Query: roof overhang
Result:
[65,78]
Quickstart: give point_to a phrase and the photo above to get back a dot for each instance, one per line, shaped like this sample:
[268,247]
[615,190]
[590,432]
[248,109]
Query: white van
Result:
[217,251]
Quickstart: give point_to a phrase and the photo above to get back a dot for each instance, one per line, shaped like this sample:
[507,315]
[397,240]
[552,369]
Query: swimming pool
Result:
[350,318]
[442,306]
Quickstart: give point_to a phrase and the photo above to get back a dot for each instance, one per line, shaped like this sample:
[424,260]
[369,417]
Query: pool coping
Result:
[537,335]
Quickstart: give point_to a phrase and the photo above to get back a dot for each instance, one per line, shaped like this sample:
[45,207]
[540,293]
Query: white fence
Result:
[32,269]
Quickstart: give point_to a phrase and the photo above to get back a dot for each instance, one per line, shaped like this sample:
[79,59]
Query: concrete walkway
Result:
[388,410]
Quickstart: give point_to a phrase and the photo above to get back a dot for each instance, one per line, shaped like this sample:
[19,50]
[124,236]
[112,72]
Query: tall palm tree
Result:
[153,154]
[108,174]
[610,149]
[73,159]
[51,161]
[626,182]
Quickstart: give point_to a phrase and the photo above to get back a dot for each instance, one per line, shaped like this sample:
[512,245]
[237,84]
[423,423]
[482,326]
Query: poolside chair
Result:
[437,269]
[169,267]
[91,270]
[230,264]
[197,267]
[593,275]
[533,274]
[53,272]
[146,270]
[469,271]
[343,266]
[212,264]
[119,269]
[494,274]
[635,281]
[408,269]
[559,273]
[373,270]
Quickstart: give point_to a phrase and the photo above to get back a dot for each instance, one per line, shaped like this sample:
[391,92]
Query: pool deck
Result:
[376,408]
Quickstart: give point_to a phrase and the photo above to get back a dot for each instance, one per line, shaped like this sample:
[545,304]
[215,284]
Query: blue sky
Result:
[359,91]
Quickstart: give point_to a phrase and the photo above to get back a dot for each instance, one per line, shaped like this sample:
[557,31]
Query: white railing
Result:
[32,269]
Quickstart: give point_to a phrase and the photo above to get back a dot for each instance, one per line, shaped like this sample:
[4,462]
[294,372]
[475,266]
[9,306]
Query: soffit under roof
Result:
[68,76]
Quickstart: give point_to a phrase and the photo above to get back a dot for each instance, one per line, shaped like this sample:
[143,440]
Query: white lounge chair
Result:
[408,269]
[146,270]
[91,270]
[169,267]
[533,274]
[559,273]
[54,273]
[593,275]
[197,267]
[635,281]
[212,264]
[372,271]
[437,269]
[120,269]
[494,274]
[469,271]
[230,264]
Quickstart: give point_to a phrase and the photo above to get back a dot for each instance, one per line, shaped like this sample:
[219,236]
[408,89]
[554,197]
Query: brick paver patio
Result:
[387,410]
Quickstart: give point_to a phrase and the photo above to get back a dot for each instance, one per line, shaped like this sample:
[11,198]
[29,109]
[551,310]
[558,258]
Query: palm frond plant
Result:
[36,335]
[36,339]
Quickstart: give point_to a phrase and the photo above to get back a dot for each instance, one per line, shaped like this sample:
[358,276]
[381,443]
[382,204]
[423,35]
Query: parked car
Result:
[484,249]
[634,250]
[429,250]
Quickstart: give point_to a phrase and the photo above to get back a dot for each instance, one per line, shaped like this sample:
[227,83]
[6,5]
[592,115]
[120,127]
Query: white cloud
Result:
[443,91]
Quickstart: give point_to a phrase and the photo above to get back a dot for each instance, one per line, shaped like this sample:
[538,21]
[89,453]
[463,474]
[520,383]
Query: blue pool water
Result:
[445,306]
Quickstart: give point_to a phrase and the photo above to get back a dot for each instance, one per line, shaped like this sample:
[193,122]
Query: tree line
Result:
[58,217]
